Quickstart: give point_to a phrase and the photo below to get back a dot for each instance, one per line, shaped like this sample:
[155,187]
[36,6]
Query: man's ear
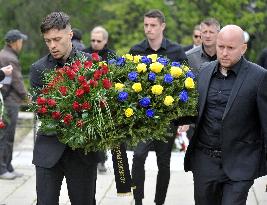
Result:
[244,48]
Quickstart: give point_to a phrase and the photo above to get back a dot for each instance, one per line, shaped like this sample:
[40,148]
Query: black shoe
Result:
[138,202]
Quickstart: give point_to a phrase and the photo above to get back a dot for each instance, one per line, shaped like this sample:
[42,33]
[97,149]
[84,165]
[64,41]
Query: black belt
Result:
[211,152]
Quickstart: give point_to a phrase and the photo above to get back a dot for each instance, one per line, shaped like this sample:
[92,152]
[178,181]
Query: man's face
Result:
[153,28]
[229,49]
[18,46]
[97,41]
[197,38]
[208,35]
[59,42]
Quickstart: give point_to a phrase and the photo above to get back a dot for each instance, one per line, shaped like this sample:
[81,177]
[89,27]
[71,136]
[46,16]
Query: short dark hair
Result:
[211,21]
[77,34]
[155,13]
[55,20]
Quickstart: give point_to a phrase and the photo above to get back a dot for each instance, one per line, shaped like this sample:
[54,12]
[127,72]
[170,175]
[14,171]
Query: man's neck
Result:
[211,51]
[155,44]
[64,58]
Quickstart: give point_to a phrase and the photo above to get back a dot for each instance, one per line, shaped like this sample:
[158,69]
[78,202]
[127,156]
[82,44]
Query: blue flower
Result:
[146,60]
[122,96]
[163,61]
[150,113]
[112,61]
[144,102]
[120,61]
[168,78]
[183,96]
[190,74]
[132,76]
[176,64]
[151,76]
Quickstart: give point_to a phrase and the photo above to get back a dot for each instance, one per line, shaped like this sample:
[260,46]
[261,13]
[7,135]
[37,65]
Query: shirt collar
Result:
[163,44]
[235,68]
[60,62]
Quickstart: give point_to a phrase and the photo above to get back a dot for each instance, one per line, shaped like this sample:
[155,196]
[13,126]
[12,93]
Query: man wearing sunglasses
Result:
[206,52]
[196,39]
[99,40]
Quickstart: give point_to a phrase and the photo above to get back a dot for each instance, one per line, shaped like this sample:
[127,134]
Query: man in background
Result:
[206,52]
[196,36]
[155,43]
[14,94]
[99,41]
[77,39]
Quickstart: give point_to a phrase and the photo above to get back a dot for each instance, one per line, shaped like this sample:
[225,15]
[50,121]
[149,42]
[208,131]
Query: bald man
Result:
[227,150]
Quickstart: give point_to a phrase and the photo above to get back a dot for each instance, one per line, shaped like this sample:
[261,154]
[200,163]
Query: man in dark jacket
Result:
[54,160]
[155,43]
[227,150]
[14,94]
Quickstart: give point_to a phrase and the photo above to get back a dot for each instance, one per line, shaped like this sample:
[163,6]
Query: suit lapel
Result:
[203,83]
[238,82]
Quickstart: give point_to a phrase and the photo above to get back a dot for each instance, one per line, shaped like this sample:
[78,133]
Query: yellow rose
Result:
[156,67]
[119,86]
[185,68]
[129,112]
[137,87]
[168,100]
[157,89]
[153,57]
[141,67]
[189,83]
[176,72]
[129,57]
[136,59]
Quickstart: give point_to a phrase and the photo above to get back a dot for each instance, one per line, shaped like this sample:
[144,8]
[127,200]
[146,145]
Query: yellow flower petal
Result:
[168,100]
[189,83]
[129,112]
[156,67]
[137,87]
[176,72]
[157,89]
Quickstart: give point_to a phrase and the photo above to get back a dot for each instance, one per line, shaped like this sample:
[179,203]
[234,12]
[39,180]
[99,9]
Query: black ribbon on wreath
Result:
[121,170]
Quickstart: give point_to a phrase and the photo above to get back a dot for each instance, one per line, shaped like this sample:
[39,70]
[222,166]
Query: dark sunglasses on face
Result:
[197,36]
[98,41]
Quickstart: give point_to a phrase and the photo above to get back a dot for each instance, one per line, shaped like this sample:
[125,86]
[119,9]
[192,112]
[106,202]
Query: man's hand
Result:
[183,128]
[7,69]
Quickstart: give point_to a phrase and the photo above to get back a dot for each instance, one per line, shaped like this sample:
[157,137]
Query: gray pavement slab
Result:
[22,190]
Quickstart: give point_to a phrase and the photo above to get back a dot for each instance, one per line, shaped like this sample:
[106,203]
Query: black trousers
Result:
[80,178]
[212,186]
[163,152]
[7,137]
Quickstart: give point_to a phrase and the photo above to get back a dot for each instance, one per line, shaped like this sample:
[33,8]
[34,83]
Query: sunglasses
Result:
[98,41]
[197,36]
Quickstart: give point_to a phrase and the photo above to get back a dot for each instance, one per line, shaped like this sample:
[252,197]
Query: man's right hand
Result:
[7,69]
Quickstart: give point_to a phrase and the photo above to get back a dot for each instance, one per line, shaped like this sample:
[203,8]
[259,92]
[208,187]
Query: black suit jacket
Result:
[48,149]
[244,122]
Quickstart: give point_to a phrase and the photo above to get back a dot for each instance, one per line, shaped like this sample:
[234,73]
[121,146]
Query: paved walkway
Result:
[21,191]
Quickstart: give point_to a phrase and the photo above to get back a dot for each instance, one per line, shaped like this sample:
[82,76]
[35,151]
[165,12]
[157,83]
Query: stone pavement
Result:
[22,190]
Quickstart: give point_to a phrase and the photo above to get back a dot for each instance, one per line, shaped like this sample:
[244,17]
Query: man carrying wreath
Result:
[53,159]
[155,43]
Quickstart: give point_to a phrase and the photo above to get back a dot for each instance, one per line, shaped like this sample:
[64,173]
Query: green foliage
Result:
[124,20]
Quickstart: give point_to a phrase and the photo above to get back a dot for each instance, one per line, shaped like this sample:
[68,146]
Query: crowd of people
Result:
[227,148]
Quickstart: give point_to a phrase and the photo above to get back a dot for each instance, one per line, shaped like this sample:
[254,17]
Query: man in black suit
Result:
[227,151]
[52,159]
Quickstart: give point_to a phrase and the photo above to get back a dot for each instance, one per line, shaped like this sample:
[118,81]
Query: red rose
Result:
[2,124]
[71,74]
[106,83]
[88,64]
[42,110]
[79,123]
[97,74]
[86,106]
[79,92]
[56,115]
[63,90]
[86,87]
[81,79]
[40,101]
[75,106]
[78,63]
[104,69]
[95,57]
[67,119]
[93,83]
[51,102]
